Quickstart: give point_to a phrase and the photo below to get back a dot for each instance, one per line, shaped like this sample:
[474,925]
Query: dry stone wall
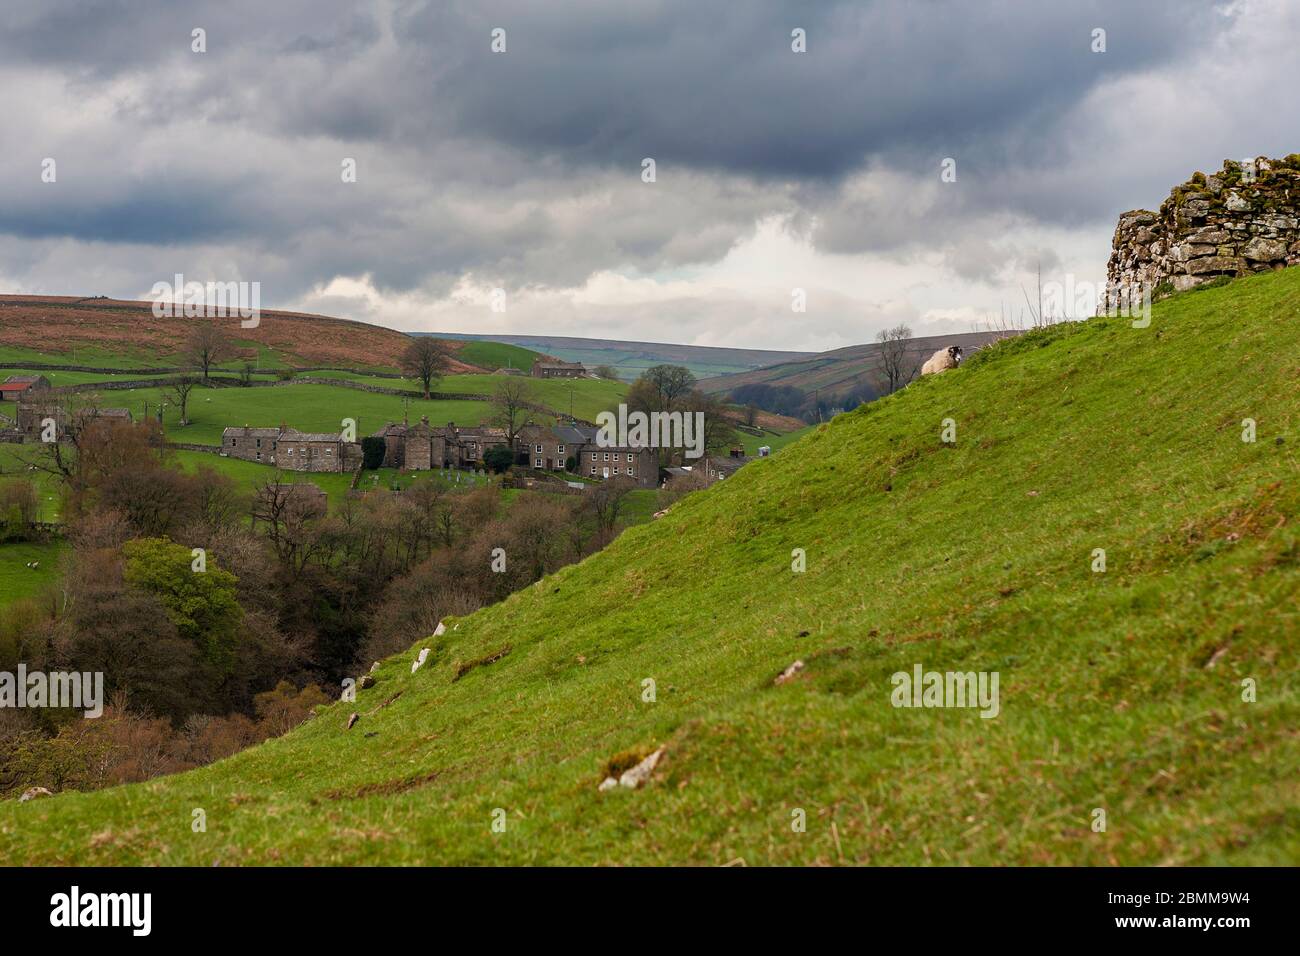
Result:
[1242,219]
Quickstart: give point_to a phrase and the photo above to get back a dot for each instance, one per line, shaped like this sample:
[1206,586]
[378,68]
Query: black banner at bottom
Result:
[1200,907]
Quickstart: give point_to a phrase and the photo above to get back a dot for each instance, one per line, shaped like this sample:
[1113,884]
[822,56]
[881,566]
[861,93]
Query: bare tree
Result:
[893,356]
[606,502]
[290,513]
[671,383]
[179,392]
[510,404]
[207,346]
[423,360]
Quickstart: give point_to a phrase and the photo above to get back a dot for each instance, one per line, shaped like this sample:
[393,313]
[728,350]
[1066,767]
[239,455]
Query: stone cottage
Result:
[422,447]
[290,449]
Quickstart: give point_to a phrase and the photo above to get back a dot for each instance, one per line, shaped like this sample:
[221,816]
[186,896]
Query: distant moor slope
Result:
[88,331]
[1152,687]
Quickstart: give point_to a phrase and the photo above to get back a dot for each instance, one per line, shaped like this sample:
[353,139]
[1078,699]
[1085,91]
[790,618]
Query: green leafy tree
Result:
[200,603]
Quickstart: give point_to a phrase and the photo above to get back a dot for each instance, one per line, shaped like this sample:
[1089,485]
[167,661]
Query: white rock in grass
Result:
[441,630]
[419,661]
[33,792]
[609,783]
[788,673]
[639,774]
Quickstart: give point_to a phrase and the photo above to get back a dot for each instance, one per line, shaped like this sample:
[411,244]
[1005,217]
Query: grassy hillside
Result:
[495,355]
[1119,690]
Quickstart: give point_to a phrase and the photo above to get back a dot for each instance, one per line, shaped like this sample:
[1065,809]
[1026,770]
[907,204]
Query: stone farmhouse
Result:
[290,449]
[555,448]
[555,368]
[422,447]
[32,416]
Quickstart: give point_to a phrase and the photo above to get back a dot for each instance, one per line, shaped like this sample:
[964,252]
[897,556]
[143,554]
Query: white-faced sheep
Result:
[942,360]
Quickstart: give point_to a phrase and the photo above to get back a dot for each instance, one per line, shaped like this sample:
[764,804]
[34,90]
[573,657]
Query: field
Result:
[495,355]
[1161,690]
[19,581]
[314,408]
[752,443]
[14,463]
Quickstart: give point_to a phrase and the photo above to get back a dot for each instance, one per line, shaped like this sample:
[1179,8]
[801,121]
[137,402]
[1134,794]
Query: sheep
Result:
[942,360]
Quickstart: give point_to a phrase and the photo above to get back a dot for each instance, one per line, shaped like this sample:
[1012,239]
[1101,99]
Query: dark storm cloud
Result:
[523,169]
[704,85]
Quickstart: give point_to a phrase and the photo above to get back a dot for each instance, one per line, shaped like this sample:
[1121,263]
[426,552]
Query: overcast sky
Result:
[522,170]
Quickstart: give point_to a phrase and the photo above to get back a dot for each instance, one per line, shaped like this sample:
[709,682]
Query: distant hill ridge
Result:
[630,358]
[841,371]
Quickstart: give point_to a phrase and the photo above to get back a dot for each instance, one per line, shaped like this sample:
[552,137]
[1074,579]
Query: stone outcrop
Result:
[1237,221]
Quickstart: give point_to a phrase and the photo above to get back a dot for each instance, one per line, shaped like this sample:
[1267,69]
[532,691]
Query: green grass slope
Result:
[495,355]
[1119,690]
[308,407]
[17,580]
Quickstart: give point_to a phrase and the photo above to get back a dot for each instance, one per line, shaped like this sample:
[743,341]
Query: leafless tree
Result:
[510,404]
[179,392]
[606,502]
[671,383]
[424,360]
[893,356]
[290,514]
[207,345]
